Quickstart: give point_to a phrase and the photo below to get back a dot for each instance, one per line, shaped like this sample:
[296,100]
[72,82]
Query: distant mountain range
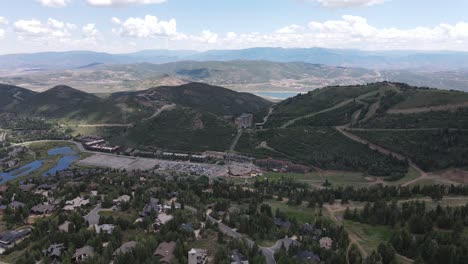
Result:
[238,75]
[414,60]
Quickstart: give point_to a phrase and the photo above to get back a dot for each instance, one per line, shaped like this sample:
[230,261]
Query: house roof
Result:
[11,236]
[42,208]
[125,248]
[26,187]
[16,204]
[165,251]
[305,256]
[64,227]
[281,223]
[54,250]
[84,251]
[236,257]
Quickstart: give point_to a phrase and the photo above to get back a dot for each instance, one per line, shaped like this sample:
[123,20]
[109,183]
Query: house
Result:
[235,257]
[152,206]
[42,209]
[46,187]
[10,238]
[105,228]
[2,209]
[65,226]
[26,187]
[54,251]
[197,256]
[187,227]
[125,248]
[326,242]
[244,121]
[71,205]
[3,189]
[121,199]
[282,224]
[307,257]
[165,252]
[288,243]
[17,205]
[81,254]
[307,229]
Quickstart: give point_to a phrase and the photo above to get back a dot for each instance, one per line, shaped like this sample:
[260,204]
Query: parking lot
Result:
[163,166]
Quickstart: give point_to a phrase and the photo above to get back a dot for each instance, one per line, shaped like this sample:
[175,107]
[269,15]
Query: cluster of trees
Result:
[432,150]
[428,236]
[326,148]
[413,214]
[297,192]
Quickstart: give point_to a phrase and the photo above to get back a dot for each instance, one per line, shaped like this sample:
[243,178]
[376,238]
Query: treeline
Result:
[297,193]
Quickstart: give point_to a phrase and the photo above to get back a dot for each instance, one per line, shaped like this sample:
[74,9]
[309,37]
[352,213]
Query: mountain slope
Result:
[10,95]
[181,129]
[421,126]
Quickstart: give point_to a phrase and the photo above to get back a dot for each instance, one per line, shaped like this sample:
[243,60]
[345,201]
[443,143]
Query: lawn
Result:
[336,178]
[302,213]
[369,237]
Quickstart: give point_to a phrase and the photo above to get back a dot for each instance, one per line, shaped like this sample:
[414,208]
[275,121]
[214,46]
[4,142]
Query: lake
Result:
[64,162]
[276,95]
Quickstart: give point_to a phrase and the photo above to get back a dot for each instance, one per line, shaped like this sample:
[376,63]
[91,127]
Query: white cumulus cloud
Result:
[348,3]
[123,2]
[149,26]
[3,21]
[353,32]
[54,3]
[90,30]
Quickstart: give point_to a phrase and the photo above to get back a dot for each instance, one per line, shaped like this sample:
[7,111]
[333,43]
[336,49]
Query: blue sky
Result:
[129,25]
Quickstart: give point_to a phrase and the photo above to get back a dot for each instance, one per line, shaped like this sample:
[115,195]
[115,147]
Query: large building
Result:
[244,120]
[197,256]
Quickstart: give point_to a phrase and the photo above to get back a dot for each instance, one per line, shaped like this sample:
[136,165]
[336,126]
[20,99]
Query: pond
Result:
[64,162]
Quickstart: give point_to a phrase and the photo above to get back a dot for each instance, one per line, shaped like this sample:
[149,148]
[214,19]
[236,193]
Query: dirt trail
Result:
[265,118]
[343,130]
[236,139]
[428,109]
[292,121]
[158,112]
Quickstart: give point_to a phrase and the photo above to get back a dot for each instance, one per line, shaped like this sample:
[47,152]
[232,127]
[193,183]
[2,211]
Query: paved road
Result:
[93,216]
[267,252]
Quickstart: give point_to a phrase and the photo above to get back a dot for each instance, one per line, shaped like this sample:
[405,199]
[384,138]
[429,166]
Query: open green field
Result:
[369,237]
[336,178]
[130,215]
[302,213]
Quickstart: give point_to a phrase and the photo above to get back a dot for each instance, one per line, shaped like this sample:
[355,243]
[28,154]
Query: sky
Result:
[119,26]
